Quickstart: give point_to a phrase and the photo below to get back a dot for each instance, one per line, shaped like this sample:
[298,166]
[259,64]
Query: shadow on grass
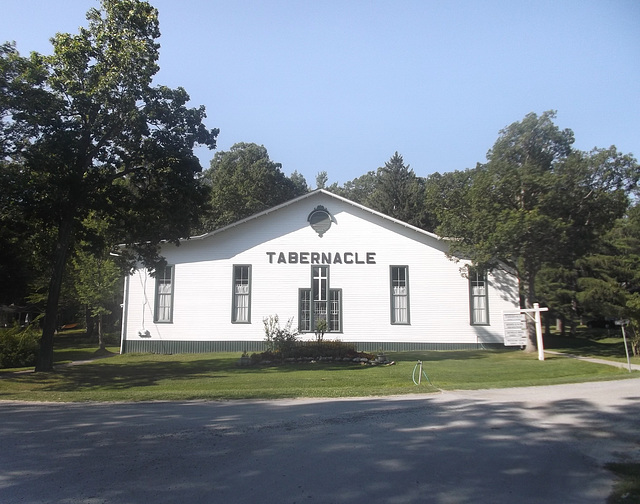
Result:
[446,355]
[127,374]
[108,374]
[218,375]
[598,345]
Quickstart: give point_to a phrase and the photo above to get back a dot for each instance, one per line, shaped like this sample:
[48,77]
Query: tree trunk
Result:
[88,321]
[100,338]
[572,328]
[44,361]
[529,290]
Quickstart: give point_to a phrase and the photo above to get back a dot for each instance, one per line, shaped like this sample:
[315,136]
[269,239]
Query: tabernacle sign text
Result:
[321,257]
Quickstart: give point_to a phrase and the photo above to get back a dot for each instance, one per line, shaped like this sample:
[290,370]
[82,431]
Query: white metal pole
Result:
[624,337]
[538,320]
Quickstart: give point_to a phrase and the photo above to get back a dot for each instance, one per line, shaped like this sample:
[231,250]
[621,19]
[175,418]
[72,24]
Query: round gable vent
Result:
[320,220]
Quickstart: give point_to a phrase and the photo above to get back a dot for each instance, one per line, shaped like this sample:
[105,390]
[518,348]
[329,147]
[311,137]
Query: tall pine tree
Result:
[399,193]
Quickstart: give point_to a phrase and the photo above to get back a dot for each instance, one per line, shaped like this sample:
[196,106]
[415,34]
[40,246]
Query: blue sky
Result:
[339,86]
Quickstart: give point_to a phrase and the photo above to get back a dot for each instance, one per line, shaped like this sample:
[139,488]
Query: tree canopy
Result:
[86,138]
[84,131]
[608,278]
[399,193]
[393,189]
[536,201]
[244,181]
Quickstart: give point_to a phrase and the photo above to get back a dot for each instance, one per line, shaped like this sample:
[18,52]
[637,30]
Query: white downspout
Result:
[125,312]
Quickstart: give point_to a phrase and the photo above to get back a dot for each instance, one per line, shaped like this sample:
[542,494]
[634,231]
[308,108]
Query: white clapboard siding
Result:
[203,274]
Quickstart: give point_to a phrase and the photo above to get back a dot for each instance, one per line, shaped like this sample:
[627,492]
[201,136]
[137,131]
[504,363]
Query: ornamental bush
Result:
[19,346]
[283,345]
[279,339]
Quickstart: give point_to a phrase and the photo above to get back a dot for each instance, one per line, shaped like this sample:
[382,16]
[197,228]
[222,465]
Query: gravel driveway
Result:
[538,444]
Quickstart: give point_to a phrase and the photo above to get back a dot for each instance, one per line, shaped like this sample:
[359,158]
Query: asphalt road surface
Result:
[538,444]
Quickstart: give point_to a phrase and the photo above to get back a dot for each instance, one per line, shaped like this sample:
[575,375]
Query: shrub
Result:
[321,328]
[279,339]
[325,348]
[18,346]
[311,350]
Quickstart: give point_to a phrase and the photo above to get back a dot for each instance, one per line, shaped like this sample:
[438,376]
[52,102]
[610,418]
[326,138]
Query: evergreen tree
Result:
[299,182]
[609,278]
[321,180]
[399,193]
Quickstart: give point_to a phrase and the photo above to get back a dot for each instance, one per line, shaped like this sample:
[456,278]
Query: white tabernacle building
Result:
[375,280]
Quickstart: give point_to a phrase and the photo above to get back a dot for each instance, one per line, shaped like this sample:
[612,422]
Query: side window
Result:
[478,298]
[164,295]
[241,311]
[399,282]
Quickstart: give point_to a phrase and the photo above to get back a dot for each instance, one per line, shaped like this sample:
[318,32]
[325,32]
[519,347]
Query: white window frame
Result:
[241,294]
[399,295]
[478,298]
[163,312]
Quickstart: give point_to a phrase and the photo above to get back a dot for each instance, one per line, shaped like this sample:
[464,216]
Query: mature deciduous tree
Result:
[18,248]
[245,181]
[449,192]
[90,133]
[98,283]
[535,202]
[359,189]
[95,276]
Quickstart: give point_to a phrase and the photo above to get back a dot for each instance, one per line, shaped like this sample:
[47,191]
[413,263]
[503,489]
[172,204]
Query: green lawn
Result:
[627,487]
[601,343]
[144,377]
[141,377]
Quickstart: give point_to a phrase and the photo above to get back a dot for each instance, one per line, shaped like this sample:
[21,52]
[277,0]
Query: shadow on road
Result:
[446,449]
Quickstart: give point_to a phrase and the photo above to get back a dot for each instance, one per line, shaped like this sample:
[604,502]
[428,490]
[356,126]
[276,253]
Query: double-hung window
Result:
[164,295]
[399,280]
[334,323]
[478,298]
[241,311]
[320,302]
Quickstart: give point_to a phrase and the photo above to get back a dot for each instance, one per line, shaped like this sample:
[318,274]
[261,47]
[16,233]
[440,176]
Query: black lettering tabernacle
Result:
[321,257]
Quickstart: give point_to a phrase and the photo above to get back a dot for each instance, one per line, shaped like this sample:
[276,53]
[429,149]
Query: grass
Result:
[215,376]
[605,344]
[600,343]
[627,488]
[146,377]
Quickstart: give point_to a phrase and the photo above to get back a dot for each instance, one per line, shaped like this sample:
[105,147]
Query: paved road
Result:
[539,444]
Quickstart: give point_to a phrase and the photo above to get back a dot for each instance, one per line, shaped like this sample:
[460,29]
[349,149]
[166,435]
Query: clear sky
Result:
[340,85]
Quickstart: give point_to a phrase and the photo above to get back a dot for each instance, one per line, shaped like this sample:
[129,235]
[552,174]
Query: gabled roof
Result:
[306,196]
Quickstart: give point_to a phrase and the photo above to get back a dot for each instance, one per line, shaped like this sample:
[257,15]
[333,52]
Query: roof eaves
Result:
[307,195]
[251,217]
